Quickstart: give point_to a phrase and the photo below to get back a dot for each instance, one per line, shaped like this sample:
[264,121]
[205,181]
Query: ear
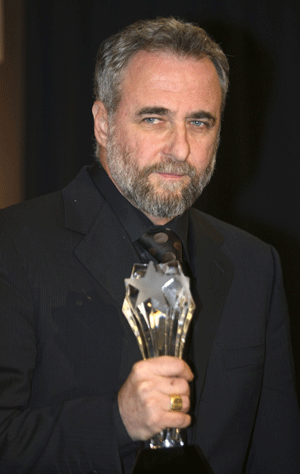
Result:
[100,122]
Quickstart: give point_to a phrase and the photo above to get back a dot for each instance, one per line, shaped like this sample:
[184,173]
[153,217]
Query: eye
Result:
[151,120]
[199,123]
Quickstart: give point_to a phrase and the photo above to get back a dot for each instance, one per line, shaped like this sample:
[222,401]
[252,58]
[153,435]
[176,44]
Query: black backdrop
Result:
[256,184]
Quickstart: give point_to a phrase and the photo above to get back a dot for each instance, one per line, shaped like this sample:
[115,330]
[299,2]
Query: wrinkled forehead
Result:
[165,64]
[151,75]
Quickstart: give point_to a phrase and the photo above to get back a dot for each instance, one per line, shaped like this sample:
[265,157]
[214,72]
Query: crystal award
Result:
[159,307]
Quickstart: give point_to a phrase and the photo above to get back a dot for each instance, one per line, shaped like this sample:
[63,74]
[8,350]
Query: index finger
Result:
[168,366]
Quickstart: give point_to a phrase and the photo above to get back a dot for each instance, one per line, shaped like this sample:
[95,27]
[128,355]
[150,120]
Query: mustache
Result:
[170,167]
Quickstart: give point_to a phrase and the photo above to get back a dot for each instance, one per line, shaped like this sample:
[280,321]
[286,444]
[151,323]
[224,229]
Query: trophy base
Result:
[181,460]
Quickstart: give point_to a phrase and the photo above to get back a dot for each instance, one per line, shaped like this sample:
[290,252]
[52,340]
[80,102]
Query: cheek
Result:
[146,151]
[212,148]
[201,154]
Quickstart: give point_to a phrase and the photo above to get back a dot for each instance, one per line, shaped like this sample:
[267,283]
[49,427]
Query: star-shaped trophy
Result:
[159,307]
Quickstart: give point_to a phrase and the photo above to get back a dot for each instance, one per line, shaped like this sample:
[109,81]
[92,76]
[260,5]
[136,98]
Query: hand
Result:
[144,399]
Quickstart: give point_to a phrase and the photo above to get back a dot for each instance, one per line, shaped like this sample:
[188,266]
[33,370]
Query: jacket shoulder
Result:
[237,244]
[34,211]
[50,210]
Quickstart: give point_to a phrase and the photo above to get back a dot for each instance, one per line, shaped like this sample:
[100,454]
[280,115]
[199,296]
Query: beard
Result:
[170,198]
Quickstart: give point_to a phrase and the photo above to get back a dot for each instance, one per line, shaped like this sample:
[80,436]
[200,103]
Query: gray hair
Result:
[163,34]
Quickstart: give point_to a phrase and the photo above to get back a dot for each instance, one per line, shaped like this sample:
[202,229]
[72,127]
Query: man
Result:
[74,395]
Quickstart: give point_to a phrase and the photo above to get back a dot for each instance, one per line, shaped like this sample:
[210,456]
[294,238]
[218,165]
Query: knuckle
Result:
[143,389]
[186,388]
[179,385]
[137,367]
[183,386]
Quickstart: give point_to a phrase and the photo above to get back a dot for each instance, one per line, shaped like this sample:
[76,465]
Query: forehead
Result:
[150,76]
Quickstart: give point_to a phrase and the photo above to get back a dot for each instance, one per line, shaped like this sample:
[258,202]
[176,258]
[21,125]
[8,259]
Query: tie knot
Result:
[165,246]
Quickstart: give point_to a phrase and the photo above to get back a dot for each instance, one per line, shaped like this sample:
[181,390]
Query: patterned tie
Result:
[164,246]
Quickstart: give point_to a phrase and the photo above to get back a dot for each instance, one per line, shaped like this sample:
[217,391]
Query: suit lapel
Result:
[108,254]
[105,251]
[214,272]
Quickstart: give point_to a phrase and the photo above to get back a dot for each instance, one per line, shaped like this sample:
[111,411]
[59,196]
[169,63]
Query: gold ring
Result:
[176,402]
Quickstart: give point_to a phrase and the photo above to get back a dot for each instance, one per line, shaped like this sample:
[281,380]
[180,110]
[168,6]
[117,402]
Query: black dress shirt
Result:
[133,220]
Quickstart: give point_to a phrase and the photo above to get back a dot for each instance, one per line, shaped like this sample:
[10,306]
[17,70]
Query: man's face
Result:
[162,140]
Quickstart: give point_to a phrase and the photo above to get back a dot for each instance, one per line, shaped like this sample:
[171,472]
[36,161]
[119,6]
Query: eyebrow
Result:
[198,115]
[201,114]
[153,111]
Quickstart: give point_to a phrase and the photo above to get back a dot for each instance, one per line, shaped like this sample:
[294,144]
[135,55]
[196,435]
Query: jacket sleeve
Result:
[75,436]
[275,446]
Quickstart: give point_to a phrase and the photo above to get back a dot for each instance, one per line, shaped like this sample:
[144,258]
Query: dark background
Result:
[256,184]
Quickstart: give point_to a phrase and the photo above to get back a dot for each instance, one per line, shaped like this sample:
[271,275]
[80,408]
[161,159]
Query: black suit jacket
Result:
[66,348]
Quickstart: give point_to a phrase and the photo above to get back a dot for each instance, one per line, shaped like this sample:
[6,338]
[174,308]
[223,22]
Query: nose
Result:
[178,146]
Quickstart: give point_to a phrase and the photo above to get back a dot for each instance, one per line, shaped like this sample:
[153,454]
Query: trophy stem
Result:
[168,438]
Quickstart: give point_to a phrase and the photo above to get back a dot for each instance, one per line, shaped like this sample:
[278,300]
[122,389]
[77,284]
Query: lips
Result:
[171,175]
[170,170]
